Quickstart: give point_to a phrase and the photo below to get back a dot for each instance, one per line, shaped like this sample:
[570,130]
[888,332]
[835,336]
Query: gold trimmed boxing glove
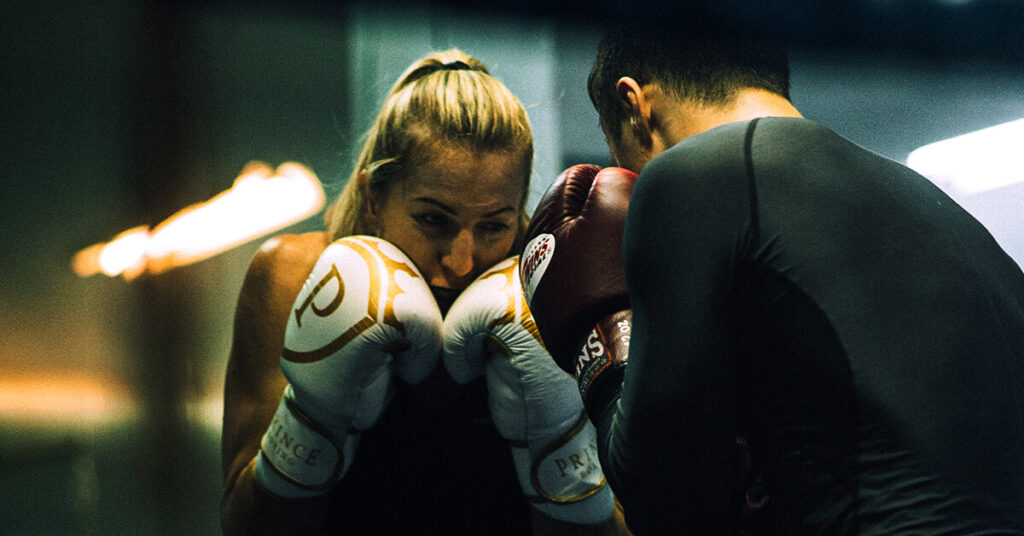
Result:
[534,404]
[364,314]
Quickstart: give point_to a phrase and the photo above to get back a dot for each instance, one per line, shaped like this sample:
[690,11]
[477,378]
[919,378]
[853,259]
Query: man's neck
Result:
[688,118]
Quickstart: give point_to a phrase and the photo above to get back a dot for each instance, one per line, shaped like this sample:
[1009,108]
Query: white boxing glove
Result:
[364,313]
[534,404]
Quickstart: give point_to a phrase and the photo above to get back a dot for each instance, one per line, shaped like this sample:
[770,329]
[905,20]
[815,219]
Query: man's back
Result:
[877,330]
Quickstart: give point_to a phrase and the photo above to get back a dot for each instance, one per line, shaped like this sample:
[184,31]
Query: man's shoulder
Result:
[711,154]
[742,133]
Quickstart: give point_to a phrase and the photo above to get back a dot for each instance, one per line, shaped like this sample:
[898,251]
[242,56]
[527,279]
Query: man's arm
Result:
[667,438]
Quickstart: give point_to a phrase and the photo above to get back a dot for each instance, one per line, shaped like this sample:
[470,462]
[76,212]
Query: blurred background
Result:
[117,114]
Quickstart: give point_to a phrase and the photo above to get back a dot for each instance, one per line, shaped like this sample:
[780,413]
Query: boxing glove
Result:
[575,283]
[534,404]
[364,314]
[572,271]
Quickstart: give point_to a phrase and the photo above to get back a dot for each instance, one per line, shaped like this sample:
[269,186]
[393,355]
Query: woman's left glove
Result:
[534,404]
[365,314]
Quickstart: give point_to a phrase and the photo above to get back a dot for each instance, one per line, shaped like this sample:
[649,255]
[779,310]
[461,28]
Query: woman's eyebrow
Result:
[453,212]
[438,204]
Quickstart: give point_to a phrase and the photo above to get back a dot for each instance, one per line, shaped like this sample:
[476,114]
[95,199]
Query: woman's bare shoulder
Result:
[281,265]
[286,252]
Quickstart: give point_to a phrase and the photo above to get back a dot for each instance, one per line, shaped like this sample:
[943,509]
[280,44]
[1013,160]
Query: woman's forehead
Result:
[454,173]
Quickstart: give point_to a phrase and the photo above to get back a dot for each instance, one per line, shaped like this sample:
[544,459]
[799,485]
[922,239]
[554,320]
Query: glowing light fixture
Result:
[976,162]
[64,399]
[261,201]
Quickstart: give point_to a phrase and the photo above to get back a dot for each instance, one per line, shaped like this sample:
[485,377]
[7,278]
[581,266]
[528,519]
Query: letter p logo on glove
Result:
[380,287]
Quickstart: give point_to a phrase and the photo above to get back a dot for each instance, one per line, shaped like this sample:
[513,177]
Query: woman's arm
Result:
[254,384]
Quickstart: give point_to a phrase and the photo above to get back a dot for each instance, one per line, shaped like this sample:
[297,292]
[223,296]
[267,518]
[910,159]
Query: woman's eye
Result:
[431,220]
[495,227]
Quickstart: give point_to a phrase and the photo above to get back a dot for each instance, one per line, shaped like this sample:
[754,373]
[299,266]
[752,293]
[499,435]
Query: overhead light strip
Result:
[976,162]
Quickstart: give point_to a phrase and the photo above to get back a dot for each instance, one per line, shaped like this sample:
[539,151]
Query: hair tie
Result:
[457,65]
[431,68]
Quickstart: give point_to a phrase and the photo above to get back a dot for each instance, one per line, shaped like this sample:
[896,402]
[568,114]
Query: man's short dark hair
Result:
[688,65]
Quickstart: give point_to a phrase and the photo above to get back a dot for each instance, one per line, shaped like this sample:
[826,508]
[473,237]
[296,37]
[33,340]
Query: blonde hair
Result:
[446,96]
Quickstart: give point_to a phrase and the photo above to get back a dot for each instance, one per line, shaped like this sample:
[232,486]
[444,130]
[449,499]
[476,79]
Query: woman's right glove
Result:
[364,313]
[534,404]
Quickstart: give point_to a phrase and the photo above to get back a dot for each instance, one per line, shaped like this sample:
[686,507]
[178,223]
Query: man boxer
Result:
[864,330]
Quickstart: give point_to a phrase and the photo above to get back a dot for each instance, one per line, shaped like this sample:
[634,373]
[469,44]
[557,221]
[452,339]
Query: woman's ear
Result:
[371,205]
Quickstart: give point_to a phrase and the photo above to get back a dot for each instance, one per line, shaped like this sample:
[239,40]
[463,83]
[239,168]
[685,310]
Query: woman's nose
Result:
[459,260]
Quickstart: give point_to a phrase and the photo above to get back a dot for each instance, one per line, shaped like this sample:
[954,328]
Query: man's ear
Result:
[637,106]
[629,93]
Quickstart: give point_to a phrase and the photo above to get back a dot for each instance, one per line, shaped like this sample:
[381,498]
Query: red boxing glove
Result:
[574,281]
[572,271]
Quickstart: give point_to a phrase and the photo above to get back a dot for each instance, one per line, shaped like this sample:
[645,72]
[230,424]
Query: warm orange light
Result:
[71,400]
[261,201]
[64,400]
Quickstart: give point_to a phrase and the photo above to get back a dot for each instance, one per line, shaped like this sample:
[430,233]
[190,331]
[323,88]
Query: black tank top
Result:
[433,464]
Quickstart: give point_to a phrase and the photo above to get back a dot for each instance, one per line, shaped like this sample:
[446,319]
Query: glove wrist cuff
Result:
[606,347]
[562,477]
[298,457]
